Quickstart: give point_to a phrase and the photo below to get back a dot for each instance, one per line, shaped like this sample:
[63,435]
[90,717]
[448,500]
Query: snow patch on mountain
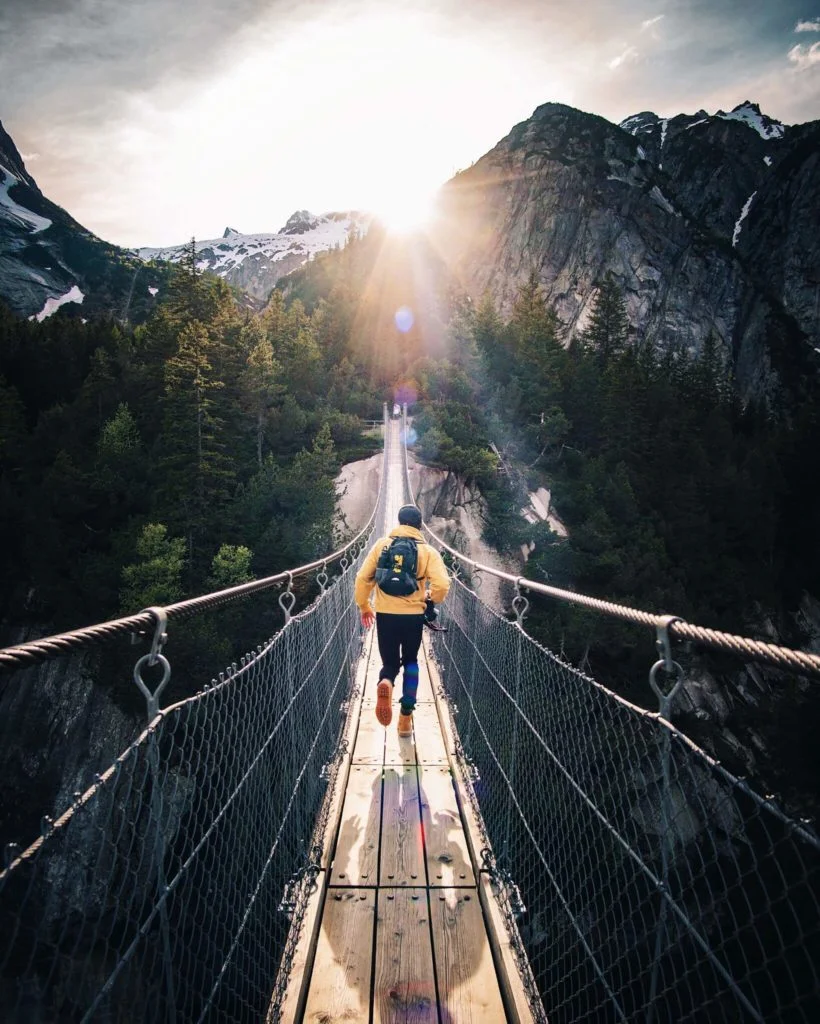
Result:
[53,304]
[739,222]
[643,122]
[749,113]
[26,218]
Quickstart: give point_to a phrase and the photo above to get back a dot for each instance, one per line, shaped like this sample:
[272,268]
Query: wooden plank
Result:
[424,693]
[355,861]
[398,749]
[468,989]
[513,987]
[448,856]
[340,984]
[402,851]
[290,1012]
[369,748]
[404,990]
[292,1009]
[430,748]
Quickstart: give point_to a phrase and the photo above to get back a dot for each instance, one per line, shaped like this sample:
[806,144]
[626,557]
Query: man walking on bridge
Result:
[400,567]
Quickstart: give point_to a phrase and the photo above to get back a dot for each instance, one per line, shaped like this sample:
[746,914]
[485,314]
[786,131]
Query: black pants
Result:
[399,639]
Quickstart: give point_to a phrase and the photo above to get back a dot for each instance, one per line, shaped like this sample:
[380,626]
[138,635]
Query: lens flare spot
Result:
[404,319]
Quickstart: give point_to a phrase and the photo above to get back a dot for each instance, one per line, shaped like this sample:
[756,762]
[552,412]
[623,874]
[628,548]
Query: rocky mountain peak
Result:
[230,231]
[300,222]
[682,211]
[644,122]
[12,161]
[750,114]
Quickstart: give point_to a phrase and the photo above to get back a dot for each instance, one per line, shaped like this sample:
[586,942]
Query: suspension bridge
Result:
[538,850]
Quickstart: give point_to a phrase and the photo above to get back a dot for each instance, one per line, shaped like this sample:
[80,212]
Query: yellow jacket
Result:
[429,568]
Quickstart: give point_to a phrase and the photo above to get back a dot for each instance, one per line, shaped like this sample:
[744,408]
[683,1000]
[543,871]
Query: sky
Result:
[154,120]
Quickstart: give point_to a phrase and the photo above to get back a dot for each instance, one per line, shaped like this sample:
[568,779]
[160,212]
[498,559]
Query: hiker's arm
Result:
[366,579]
[437,574]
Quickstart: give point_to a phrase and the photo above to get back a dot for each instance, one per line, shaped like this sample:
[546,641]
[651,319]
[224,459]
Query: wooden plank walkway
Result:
[401,930]
[403,925]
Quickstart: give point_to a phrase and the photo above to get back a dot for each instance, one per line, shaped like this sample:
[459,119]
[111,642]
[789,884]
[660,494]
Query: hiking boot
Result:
[384,700]
[405,725]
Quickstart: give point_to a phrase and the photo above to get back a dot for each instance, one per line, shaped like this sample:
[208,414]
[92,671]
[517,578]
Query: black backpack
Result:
[396,568]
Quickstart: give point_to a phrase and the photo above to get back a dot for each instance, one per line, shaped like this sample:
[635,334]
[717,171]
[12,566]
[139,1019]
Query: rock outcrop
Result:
[58,728]
[660,205]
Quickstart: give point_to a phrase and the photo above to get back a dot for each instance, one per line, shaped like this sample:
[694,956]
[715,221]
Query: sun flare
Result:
[405,212]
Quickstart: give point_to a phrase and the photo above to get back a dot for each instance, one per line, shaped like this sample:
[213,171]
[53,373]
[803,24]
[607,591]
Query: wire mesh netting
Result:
[646,882]
[167,891]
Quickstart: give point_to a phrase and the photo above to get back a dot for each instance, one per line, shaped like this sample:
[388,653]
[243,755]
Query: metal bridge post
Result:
[665,699]
[155,801]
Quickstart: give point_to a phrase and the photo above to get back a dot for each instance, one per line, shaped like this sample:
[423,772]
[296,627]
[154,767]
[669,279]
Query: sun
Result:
[405,211]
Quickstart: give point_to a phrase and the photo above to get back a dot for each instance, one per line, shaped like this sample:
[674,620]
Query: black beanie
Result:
[409,515]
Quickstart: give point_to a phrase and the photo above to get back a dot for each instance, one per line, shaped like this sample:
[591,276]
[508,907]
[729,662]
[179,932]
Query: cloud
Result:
[76,59]
[651,21]
[808,26]
[629,54]
[804,57]
[29,158]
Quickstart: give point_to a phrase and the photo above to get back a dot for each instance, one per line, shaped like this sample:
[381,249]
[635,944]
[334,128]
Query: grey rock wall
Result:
[569,196]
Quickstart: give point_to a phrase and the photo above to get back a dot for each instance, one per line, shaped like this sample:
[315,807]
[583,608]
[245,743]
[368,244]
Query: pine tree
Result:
[196,470]
[535,332]
[488,331]
[156,579]
[608,328]
[260,380]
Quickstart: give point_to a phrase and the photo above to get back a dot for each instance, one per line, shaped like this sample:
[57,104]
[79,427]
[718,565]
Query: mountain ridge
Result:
[48,260]
[569,196]
[255,262]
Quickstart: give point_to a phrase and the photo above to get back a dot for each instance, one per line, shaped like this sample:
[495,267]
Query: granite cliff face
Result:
[700,219]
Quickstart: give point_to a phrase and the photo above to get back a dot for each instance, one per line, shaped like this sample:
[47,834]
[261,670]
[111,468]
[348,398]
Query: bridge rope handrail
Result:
[678,628]
[36,651]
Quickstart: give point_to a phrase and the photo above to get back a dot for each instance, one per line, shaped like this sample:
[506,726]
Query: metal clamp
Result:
[667,664]
[322,577]
[153,658]
[520,605]
[287,599]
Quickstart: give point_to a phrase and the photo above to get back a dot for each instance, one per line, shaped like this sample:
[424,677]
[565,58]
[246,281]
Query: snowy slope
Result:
[256,262]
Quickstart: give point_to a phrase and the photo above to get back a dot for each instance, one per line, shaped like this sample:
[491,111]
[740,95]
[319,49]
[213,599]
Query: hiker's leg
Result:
[388,634]
[412,629]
